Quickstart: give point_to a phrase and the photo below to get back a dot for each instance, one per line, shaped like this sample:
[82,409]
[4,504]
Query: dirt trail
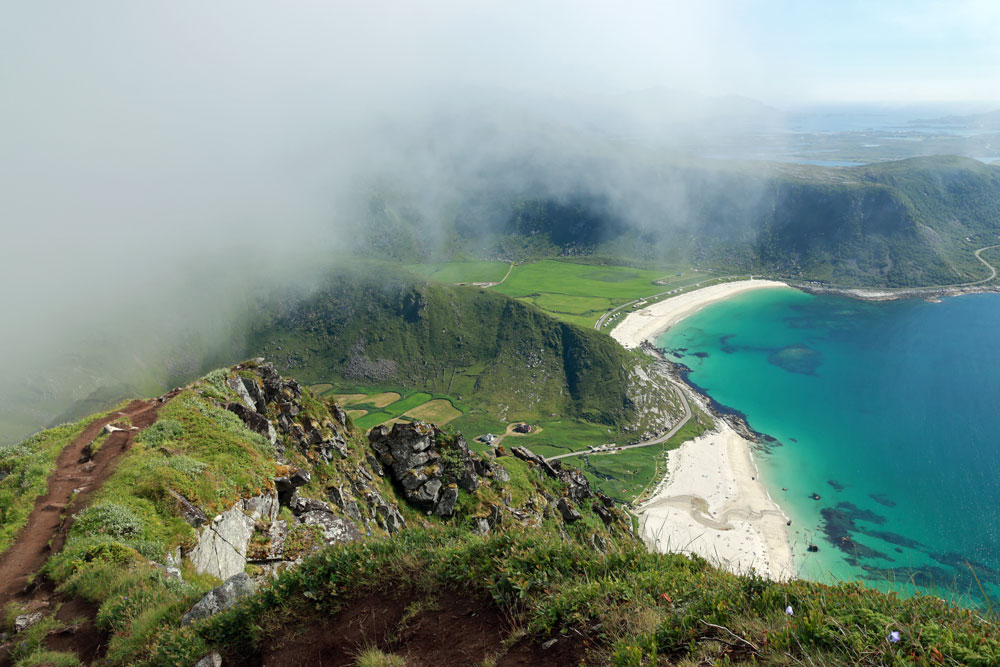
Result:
[50,520]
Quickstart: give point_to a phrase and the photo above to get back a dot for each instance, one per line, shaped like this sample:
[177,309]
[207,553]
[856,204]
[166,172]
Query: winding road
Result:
[652,441]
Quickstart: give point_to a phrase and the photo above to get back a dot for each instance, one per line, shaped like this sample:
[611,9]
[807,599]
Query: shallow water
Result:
[889,411]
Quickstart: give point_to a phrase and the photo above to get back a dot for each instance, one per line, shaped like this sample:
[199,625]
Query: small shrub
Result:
[162,432]
[48,658]
[187,465]
[109,519]
[372,657]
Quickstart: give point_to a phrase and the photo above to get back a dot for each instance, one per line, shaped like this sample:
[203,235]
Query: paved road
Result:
[993,269]
[652,441]
[645,443]
[604,318]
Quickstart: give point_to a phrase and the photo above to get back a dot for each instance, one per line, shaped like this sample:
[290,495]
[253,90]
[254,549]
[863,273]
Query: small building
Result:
[522,428]
[488,438]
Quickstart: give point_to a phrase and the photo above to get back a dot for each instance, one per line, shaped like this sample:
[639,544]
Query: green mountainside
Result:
[913,222]
[378,326]
[248,522]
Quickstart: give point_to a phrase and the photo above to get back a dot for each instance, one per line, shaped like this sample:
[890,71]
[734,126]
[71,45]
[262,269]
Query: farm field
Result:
[387,406]
[622,475]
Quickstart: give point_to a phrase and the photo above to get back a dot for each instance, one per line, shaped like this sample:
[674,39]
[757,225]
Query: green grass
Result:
[625,475]
[561,436]
[580,293]
[584,280]
[635,607]
[462,272]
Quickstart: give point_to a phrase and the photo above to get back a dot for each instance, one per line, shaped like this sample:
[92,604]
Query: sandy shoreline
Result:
[650,322]
[711,501]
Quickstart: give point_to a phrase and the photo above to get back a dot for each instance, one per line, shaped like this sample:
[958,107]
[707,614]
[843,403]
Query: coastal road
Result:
[993,269]
[645,443]
[604,318]
[930,289]
[679,391]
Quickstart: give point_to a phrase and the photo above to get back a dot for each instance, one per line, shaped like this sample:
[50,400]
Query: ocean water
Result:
[889,412]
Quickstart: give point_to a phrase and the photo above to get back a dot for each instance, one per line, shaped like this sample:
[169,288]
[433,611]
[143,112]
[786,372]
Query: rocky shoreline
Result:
[894,294]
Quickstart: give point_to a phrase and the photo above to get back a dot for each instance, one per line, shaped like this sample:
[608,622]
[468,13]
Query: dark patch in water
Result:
[799,359]
[881,499]
[793,439]
[724,344]
[677,355]
[837,486]
[960,562]
[894,538]
[701,355]
[840,524]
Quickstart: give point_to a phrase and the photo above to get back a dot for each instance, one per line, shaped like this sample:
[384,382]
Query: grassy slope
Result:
[462,272]
[480,347]
[206,454]
[634,607]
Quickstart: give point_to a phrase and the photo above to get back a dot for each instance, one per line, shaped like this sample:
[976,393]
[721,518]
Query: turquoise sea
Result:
[889,411]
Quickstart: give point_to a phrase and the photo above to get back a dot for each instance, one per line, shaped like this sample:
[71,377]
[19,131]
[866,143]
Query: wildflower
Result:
[894,636]
[788,610]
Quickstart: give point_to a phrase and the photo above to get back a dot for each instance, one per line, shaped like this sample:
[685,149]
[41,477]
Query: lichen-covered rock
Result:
[213,659]
[188,510]
[25,621]
[335,529]
[222,544]
[428,465]
[220,598]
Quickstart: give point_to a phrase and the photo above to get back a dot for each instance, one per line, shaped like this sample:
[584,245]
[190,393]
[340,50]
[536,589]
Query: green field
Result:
[561,436]
[625,475]
[581,293]
[573,292]
[462,272]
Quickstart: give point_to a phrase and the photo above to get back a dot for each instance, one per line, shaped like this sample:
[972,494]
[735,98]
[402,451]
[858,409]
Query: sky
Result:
[143,140]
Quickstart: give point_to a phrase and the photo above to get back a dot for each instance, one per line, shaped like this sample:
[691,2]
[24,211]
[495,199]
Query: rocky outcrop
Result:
[335,529]
[427,465]
[234,589]
[317,441]
[187,510]
[222,544]
[568,512]
[25,621]
[577,490]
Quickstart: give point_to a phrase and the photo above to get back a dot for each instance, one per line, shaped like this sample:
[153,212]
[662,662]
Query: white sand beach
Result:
[711,501]
[650,322]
